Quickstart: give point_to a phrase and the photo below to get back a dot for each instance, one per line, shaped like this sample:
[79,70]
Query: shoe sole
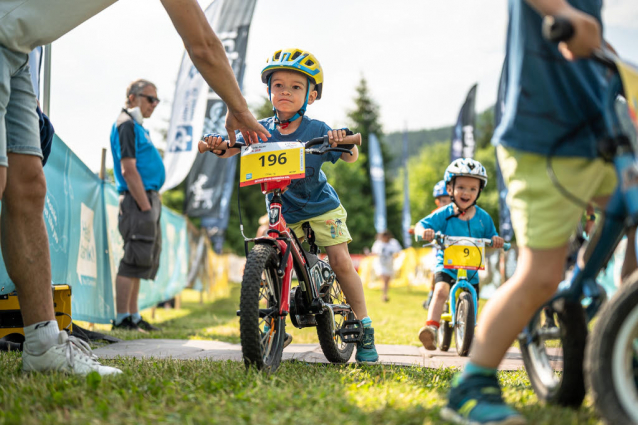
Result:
[451,415]
[368,362]
[427,339]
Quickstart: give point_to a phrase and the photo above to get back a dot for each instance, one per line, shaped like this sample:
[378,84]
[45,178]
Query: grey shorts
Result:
[19,125]
[142,236]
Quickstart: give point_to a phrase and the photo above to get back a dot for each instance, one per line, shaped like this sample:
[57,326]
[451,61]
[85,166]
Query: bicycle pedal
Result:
[351,331]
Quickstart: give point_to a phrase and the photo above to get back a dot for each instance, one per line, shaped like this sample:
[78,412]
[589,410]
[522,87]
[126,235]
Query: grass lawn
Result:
[206,392]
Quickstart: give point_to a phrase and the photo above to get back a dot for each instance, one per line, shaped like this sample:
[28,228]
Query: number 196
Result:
[273,159]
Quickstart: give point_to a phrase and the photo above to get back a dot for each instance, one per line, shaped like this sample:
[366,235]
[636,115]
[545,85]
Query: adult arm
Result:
[209,57]
[587,35]
[134,183]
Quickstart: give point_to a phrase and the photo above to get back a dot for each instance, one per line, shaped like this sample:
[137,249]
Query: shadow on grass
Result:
[215,320]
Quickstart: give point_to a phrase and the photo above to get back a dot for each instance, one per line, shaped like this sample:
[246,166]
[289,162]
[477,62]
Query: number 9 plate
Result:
[464,253]
[264,162]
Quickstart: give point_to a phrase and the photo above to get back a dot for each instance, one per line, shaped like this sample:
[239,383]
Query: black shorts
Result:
[142,236]
[444,277]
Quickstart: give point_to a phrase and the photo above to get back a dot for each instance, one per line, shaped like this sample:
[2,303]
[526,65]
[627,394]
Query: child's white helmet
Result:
[466,167]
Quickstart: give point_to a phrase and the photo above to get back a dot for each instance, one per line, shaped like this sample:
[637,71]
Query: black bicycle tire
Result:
[463,347]
[570,391]
[262,258]
[600,349]
[445,332]
[329,345]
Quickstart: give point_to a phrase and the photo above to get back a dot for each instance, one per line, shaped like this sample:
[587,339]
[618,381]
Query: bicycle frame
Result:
[461,285]
[291,253]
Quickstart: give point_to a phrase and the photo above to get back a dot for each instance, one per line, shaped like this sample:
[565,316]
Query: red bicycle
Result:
[267,295]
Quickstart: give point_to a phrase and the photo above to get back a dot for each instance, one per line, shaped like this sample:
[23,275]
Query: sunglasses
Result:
[151,99]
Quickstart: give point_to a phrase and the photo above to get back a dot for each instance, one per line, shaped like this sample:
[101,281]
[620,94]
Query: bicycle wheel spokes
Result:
[267,322]
[625,365]
[547,351]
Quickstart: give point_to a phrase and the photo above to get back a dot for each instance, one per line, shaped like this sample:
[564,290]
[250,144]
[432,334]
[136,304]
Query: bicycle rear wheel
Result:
[612,357]
[465,323]
[333,347]
[561,331]
[262,329]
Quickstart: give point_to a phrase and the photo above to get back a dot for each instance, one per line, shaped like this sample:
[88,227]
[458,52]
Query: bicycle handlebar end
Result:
[557,29]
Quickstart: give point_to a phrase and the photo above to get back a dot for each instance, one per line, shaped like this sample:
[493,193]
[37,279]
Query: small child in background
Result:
[385,247]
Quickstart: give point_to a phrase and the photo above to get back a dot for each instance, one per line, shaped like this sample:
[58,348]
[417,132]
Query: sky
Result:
[419,58]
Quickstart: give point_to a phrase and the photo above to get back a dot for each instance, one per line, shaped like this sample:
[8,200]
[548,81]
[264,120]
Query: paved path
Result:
[196,349]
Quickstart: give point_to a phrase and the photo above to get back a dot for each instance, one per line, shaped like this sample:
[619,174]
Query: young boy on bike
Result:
[295,80]
[465,178]
[553,108]
[441,199]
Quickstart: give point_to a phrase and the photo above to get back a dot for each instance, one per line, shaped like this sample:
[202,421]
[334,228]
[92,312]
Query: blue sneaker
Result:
[366,352]
[476,400]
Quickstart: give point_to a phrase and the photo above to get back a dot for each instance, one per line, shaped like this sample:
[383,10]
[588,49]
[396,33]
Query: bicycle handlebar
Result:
[559,29]
[353,139]
[440,240]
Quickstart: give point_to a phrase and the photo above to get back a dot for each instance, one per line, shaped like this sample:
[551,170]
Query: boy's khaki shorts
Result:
[542,217]
[330,228]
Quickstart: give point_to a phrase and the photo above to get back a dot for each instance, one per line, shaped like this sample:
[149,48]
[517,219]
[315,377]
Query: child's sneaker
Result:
[427,336]
[70,355]
[366,351]
[476,400]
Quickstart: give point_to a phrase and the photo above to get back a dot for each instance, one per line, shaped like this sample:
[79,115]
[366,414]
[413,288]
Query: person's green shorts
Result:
[542,217]
[330,228]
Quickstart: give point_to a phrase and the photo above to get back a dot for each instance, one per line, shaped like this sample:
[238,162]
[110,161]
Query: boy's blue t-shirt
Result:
[546,97]
[311,196]
[480,226]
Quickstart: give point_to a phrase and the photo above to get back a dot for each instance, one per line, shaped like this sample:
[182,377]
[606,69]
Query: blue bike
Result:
[560,326]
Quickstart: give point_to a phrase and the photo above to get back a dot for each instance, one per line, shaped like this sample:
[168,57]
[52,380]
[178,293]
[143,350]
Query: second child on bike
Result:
[295,80]
[465,179]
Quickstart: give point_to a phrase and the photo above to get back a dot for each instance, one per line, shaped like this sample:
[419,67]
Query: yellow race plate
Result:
[629,77]
[263,162]
[463,253]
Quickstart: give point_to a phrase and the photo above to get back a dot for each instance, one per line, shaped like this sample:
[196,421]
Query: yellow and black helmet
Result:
[295,60]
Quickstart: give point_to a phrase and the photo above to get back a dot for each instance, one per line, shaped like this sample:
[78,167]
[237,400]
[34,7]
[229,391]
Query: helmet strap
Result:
[300,113]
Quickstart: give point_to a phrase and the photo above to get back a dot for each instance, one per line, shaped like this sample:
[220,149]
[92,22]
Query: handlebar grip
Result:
[354,139]
[203,147]
[557,29]
[507,246]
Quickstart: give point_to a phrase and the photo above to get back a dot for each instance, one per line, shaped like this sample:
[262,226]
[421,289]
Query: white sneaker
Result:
[427,336]
[70,355]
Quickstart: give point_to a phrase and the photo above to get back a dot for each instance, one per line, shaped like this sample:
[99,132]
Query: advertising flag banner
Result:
[197,110]
[377,176]
[463,142]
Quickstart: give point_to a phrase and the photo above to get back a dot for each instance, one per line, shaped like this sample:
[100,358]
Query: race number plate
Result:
[263,162]
[463,253]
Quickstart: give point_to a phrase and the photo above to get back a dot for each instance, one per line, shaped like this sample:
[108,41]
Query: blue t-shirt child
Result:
[479,226]
[311,196]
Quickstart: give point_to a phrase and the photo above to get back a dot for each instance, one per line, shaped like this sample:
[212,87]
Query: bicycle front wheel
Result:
[612,357]
[262,329]
[465,323]
[557,342]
